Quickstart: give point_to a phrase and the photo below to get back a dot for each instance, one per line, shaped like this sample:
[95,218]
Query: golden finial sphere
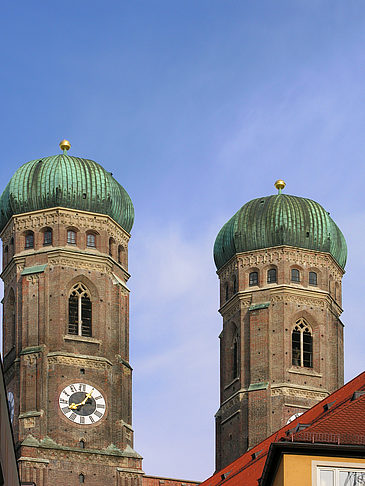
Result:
[279,184]
[65,145]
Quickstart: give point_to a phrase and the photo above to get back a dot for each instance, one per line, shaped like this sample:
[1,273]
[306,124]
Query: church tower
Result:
[65,225]
[280,260]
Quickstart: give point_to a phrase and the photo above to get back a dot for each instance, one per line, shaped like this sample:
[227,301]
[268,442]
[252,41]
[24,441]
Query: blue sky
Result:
[196,107]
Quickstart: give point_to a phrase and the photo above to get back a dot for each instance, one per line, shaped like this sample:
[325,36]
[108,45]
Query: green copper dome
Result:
[280,220]
[69,182]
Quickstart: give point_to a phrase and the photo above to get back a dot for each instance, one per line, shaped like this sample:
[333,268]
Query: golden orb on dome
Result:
[65,145]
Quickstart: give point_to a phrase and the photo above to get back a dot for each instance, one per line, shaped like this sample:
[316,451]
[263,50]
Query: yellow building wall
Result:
[297,469]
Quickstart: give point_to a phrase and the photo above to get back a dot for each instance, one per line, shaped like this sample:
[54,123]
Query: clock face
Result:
[82,404]
[11,405]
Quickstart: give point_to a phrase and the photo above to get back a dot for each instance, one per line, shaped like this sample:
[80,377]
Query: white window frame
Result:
[335,466]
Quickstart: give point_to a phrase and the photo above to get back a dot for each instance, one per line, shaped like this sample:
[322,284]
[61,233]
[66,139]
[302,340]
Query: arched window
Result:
[79,311]
[111,246]
[253,279]
[227,291]
[120,254]
[235,284]
[29,240]
[235,358]
[271,275]
[81,478]
[312,278]
[302,345]
[47,237]
[295,275]
[71,237]
[10,323]
[90,240]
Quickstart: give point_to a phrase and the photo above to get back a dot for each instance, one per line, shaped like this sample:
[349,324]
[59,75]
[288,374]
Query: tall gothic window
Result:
[235,358]
[29,240]
[120,254]
[227,291]
[295,275]
[47,237]
[302,345]
[71,237]
[271,275]
[79,311]
[312,278]
[235,284]
[253,279]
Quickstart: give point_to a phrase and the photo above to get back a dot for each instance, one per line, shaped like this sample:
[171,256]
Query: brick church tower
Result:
[280,260]
[65,226]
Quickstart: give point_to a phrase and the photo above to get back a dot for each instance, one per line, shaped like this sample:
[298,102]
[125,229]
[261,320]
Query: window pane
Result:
[47,238]
[90,240]
[29,240]
[227,291]
[295,275]
[253,278]
[312,278]
[71,237]
[72,314]
[326,478]
[271,275]
[296,348]
[86,316]
[351,478]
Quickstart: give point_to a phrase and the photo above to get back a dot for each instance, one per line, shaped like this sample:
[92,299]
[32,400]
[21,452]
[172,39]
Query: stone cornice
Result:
[273,255]
[282,293]
[56,215]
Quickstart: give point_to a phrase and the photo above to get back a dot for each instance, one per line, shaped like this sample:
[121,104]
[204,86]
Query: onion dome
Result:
[69,182]
[279,220]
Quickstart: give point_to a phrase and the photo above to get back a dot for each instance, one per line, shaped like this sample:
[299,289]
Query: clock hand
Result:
[74,406]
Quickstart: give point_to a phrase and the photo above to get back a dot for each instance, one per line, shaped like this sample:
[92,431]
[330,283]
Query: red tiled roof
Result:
[341,421]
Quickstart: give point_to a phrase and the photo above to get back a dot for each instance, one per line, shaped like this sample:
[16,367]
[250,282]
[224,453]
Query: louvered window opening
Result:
[90,240]
[302,345]
[253,279]
[79,311]
[71,237]
[271,275]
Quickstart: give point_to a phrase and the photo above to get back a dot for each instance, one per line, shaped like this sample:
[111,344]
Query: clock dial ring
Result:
[82,403]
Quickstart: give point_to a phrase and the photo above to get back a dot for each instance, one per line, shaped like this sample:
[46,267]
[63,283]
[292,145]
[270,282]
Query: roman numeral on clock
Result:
[98,397]
[62,400]
[72,416]
[65,409]
[100,405]
[72,388]
[91,419]
[82,420]
[82,387]
[98,414]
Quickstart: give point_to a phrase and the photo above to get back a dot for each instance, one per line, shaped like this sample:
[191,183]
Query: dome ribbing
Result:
[69,182]
[280,220]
